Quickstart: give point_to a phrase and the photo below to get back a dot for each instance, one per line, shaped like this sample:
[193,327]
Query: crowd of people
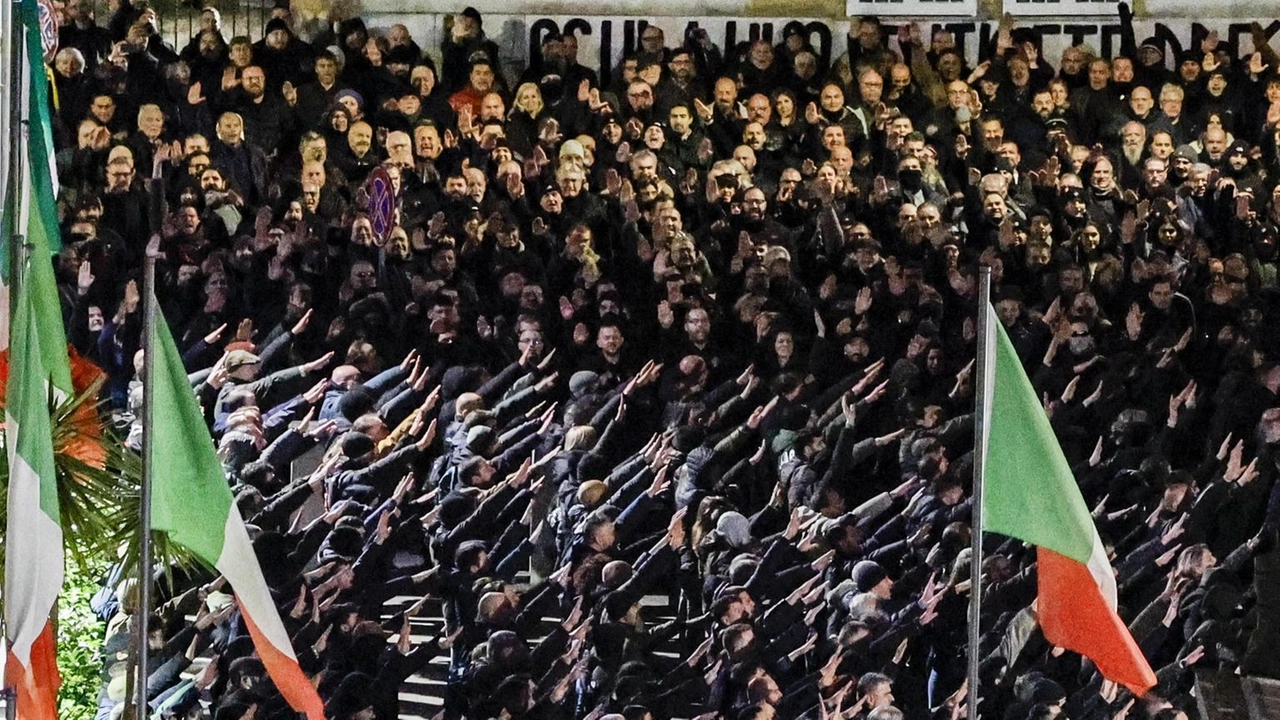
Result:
[701,330]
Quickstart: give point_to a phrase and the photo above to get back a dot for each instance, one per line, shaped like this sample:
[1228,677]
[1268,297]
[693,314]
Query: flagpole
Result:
[145,573]
[979,469]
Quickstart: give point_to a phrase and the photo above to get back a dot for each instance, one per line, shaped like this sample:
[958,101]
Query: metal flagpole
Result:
[16,240]
[979,468]
[145,573]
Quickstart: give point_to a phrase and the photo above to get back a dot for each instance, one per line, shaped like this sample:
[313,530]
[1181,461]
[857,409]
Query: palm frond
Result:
[100,505]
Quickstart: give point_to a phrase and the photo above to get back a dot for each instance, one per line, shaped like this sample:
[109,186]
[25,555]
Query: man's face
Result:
[1009,151]
[868,34]
[1171,104]
[241,54]
[1161,295]
[1189,69]
[697,325]
[361,233]
[870,87]
[754,204]
[1099,74]
[1102,177]
[759,109]
[994,206]
[1215,142]
[1122,70]
[1217,84]
[492,107]
[103,109]
[1042,104]
[651,40]
[1162,146]
[753,136]
[832,98]
[1199,181]
[761,54]
[477,183]
[230,129]
[992,134]
[313,173]
[1155,172]
[1132,135]
[640,96]
[1008,311]
[92,135]
[255,82]
[426,142]
[211,180]
[609,340]
[481,78]
[900,76]
[680,119]
[1072,60]
[682,67]
[326,70]
[725,94]
[360,138]
[833,137]
[900,127]
[842,159]
[1140,101]
[571,184]
[187,220]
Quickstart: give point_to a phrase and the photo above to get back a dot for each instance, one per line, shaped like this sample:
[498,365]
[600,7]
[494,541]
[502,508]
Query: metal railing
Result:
[180,21]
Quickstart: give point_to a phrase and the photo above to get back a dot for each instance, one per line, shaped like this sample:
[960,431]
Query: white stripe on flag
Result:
[240,566]
[33,554]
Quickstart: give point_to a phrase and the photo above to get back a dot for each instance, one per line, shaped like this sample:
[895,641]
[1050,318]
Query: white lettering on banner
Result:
[913,8]
[603,41]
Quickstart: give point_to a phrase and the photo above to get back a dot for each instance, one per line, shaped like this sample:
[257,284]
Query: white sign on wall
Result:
[1038,8]
[912,8]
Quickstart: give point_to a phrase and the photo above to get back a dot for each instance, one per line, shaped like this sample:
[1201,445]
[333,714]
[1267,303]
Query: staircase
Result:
[1226,696]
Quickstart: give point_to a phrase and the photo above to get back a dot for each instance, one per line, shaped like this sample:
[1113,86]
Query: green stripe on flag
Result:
[44,216]
[190,498]
[1028,490]
[28,403]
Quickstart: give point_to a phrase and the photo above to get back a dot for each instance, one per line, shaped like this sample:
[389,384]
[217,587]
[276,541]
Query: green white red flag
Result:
[38,376]
[1029,493]
[192,502]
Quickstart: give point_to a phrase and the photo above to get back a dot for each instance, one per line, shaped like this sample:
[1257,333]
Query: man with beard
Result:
[1133,143]
[680,84]
[684,139]
[282,56]
[268,121]
[208,61]
[720,119]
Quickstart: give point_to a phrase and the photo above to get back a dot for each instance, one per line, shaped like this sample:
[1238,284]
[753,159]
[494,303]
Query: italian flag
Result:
[1029,493]
[192,503]
[38,376]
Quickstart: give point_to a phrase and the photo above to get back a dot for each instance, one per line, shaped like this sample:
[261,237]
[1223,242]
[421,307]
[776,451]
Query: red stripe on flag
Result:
[285,673]
[1074,615]
[37,686]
